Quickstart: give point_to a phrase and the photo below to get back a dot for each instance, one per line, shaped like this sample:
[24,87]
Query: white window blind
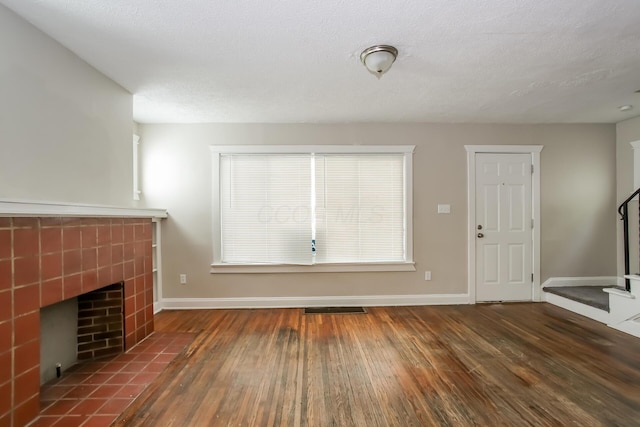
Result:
[265,205]
[360,208]
[270,206]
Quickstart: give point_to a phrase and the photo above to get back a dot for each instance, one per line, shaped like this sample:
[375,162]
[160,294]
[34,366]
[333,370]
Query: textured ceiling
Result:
[286,61]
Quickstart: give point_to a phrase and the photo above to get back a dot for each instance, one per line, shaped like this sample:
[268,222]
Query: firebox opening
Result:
[88,327]
[100,322]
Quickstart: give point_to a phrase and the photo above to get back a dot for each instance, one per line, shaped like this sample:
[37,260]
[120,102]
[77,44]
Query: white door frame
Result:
[472,150]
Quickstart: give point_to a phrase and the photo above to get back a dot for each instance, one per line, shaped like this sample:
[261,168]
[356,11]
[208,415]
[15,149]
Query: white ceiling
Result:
[286,61]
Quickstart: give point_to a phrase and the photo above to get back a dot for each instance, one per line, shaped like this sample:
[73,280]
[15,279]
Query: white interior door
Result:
[504,239]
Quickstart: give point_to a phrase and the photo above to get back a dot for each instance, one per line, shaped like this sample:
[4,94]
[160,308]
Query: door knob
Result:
[480,235]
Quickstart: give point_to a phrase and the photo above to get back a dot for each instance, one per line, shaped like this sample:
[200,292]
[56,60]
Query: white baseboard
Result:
[630,327]
[298,302]
[157,307]
[576,307]
[581,281]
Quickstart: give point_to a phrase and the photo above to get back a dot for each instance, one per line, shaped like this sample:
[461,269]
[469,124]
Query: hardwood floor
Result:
[512,364]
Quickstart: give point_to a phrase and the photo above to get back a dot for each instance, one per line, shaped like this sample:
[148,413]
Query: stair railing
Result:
[623,210]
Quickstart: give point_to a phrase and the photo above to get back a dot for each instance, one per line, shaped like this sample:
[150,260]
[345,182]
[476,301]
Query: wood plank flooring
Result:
[486,365]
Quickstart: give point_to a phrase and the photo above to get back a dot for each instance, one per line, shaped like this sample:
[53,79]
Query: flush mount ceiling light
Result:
[379,58]
[625,108]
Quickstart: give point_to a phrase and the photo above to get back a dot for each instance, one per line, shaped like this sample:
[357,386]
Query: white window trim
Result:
[216,151]
[635,146]
[315,268]
[136,168]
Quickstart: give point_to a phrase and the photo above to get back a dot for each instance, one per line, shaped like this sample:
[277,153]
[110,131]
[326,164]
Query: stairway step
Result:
[620,292]
[593,296]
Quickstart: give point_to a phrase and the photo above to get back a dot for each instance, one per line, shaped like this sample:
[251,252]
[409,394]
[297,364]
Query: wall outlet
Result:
[427,275]
[183,279]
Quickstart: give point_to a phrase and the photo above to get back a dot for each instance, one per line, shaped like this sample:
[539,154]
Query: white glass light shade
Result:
[378,59]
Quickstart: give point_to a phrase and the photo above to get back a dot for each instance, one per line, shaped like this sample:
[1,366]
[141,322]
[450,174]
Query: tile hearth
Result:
[95,393]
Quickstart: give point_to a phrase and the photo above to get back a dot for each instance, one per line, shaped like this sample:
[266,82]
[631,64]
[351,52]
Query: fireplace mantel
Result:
[28,208]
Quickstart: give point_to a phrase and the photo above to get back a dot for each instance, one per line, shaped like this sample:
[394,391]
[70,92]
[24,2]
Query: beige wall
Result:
[65,135]
[65,129]
[627,132]
[577,189]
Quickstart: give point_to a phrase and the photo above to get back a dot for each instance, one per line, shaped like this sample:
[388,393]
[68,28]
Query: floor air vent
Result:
[334,310]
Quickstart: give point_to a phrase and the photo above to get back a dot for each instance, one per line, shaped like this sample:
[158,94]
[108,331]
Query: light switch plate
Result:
[444,209]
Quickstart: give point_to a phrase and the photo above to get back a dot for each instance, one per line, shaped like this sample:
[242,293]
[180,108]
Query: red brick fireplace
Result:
[46,260]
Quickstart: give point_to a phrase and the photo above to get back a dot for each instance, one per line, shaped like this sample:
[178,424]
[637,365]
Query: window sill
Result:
[317,268]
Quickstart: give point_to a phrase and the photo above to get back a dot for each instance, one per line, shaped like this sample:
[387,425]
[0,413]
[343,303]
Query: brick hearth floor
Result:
[95,393]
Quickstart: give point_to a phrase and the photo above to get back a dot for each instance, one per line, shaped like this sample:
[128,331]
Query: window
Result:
[320,208]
